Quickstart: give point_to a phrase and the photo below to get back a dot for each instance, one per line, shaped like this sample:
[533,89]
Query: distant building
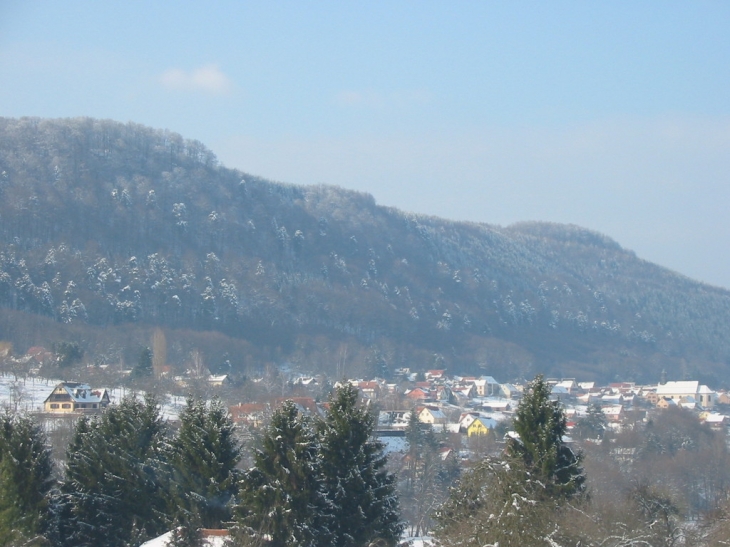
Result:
[69,397]
[431,415]
[689,390]
[480,426]
[250,414]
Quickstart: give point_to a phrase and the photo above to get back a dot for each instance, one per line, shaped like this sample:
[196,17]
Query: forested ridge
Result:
[108,230]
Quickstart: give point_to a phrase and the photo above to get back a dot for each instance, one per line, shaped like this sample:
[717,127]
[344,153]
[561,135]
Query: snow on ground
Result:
[28,394]
[394,444]
[424,541]
[165,541]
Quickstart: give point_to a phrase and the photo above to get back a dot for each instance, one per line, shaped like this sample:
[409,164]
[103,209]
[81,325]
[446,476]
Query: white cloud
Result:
[208,79]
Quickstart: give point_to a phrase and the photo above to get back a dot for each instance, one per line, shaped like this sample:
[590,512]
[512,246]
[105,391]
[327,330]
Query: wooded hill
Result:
[108,230]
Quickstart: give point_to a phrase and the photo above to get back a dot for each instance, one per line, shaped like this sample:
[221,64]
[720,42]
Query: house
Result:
[219,380]
[497,405]
[418,394]
[612,399]
[369,390]
[464,393]
[651,397]
[434,374]
[251,414]
[480,426]
[510,391]
[714,420]
[69,397]
[666,402]
[466,419]
[444,394]
[569,384]
[431,415]
[723,398]
[613,413]
[487,386]
[559,393]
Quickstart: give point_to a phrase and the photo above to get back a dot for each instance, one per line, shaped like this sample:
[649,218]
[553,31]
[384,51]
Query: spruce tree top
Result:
[541,425]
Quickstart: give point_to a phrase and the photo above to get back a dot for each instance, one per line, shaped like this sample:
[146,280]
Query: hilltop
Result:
[108,230]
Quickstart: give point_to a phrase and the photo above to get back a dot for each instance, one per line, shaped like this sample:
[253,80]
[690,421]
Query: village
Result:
[465,410]
[461,420]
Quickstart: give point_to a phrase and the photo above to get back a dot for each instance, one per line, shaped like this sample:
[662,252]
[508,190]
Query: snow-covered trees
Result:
[324,484]
[111,492]
[359,487]
[516,500]
[25,479]
[541,425]
[202,461]
[497,503]
[282,497]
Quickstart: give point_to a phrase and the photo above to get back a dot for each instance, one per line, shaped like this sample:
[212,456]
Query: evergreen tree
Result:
[541,425]
[111,491]
[186,533]
[202,461]
[359,487]
[143,368]
[281,500]
[25,480]
[592,425]
[498,503]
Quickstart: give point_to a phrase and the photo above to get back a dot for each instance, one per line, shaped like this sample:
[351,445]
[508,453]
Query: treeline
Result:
[108,224]
[128,478]
[325,481]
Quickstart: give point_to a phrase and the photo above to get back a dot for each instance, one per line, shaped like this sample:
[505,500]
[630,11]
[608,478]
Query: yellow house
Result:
[69,397]
[480,426]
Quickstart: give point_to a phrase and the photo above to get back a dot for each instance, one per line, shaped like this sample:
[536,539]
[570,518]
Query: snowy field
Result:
[28,394]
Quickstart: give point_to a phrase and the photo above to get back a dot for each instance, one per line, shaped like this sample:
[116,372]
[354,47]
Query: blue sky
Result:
[614,116]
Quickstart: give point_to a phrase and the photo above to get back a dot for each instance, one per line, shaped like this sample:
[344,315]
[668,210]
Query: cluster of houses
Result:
[471,406]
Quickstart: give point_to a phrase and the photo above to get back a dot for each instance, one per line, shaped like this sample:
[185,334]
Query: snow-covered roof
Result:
[677,388]
[82,393]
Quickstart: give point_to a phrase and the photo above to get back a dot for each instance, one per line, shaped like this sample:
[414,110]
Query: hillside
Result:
[108,230]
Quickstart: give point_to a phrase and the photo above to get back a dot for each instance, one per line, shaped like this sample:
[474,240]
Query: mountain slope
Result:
[117,225]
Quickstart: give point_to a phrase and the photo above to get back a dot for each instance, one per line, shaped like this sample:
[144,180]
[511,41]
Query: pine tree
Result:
[541,425]
[143,368]
[359,487]
[592,425]
[111,491]
[497,503]
[25,480]
[202,461]
[281,500]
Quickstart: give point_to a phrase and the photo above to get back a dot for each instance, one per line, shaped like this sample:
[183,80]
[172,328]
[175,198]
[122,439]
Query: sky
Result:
[614,116]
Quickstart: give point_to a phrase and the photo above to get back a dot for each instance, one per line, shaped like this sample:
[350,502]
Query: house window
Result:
[54,405]
[66,405]
[94,405]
